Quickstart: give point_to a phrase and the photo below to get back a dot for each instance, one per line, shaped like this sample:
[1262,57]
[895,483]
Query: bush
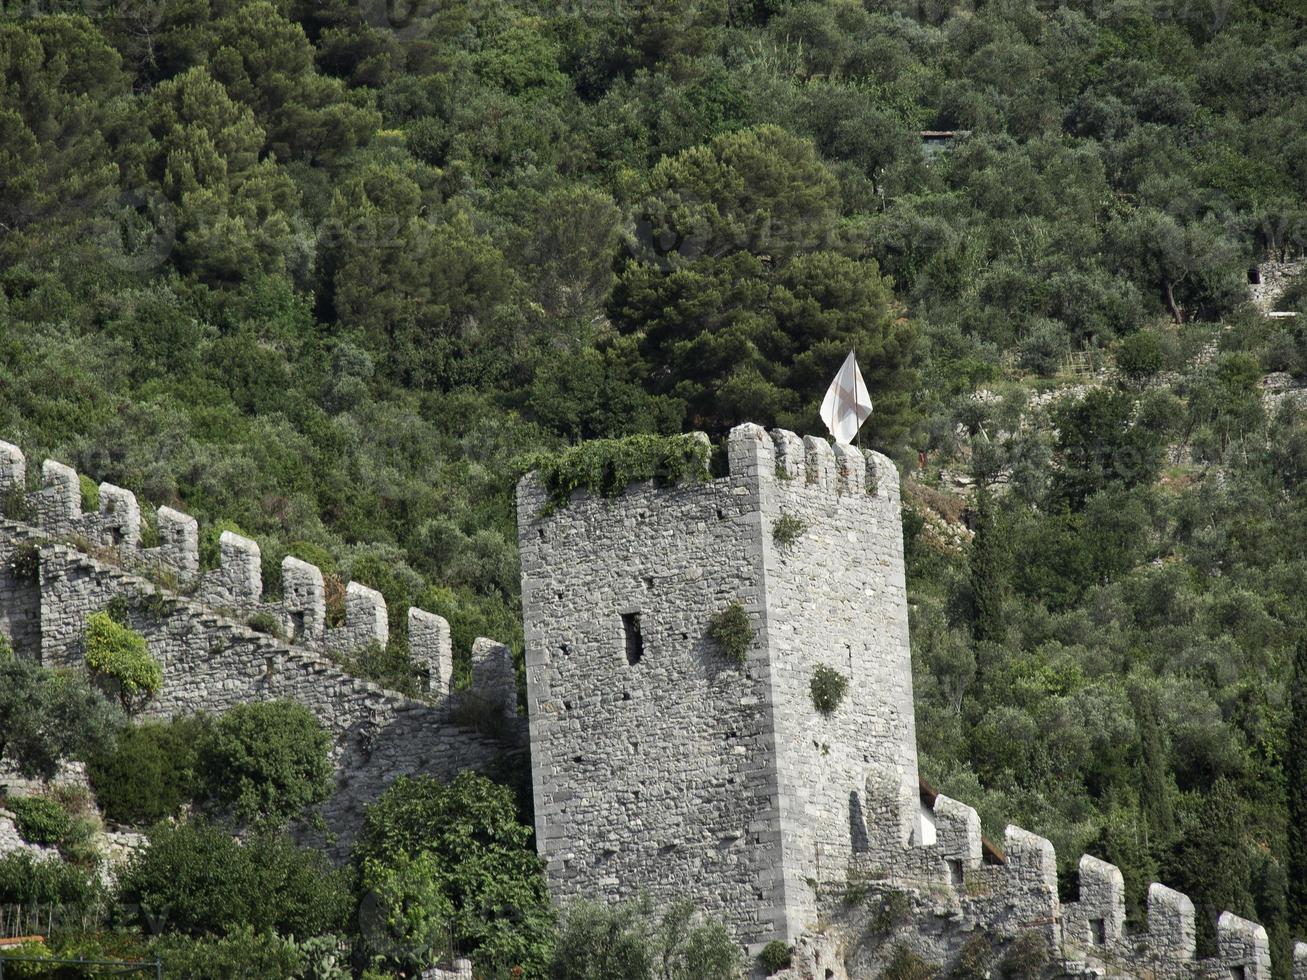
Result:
[600,941]
[391,666]
[775,956]
[45,717]
[26,880]
[787,530]
[25,562]
[196,879]
[827,688]
[21,969]
[267,761]
[608,466]
[151,771]
[250,955]
[731,630]
[975,961]
[461,848]
[904,964]
[40,820]
[1043,347]
[1025,958]
[117,653]
[267,624]
[1140,356]
[90,493]
[894,910]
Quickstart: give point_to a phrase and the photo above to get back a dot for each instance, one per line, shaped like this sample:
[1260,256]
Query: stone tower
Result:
[660,765]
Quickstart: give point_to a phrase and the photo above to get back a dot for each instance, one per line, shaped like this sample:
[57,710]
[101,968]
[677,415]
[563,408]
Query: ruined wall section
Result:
[653,765]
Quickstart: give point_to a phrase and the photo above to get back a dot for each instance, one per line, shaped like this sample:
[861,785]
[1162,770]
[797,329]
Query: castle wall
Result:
[211,664]
[212,661]
[20,598]
[653,776]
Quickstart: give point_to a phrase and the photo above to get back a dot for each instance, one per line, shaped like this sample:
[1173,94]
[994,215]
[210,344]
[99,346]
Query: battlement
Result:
[235,587]
[1018,893]
[809,462]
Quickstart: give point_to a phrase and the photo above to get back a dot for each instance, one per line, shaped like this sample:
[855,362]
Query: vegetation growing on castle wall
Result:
[25,562]
[608,466]
[827,688]
[775,956]
[904,964]
[40,820]
[391,666]
[732,631]
[787,530]
[117,654]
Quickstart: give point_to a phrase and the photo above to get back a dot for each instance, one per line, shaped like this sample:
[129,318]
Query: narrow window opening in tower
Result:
[955,871]
[1098,931]
[296,625]
[1238,973]
[634,638]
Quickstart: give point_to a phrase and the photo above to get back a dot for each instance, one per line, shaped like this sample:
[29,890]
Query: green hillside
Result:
[324,272]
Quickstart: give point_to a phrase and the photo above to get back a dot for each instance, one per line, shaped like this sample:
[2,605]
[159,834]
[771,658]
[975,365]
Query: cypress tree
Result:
[1295,771]
[1154,775]
[1212,864]
[989,571]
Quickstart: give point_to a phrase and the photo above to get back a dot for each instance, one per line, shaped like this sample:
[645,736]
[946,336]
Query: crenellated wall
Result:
[213,661]
[1015,893]
[659,765]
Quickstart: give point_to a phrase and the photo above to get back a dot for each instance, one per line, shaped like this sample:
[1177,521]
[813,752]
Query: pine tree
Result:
[1295,767]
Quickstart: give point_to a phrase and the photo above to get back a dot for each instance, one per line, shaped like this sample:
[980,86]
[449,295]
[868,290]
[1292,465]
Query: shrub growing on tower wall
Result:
[731,630]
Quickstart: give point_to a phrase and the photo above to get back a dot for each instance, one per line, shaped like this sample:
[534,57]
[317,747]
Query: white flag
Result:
[847,404]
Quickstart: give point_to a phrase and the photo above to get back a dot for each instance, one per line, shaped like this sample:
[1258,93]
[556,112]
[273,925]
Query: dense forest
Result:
[325,272]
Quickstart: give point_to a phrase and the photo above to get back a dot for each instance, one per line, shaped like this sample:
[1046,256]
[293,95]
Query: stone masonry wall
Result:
[20,600]
[655,774]
[1276,278]
[681,775]
[955,895]
[212,661]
